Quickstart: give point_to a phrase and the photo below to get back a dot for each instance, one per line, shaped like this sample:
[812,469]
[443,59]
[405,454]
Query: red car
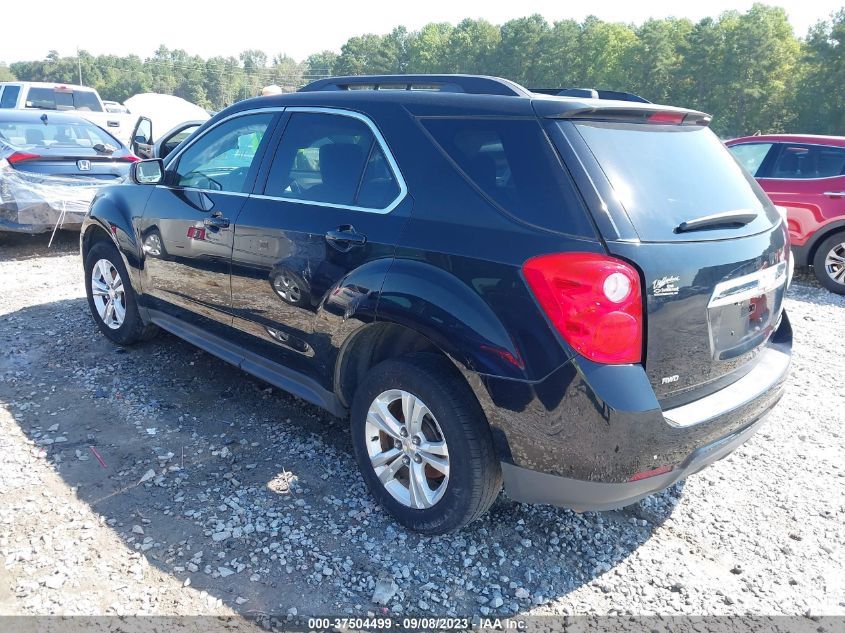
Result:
[806,175]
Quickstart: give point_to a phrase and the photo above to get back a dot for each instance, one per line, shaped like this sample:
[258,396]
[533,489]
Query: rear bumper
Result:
[530,486]
[578,438]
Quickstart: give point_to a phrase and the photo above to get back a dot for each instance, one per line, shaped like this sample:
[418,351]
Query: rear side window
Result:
[751,155]
[333,159]
[513,163]
[809,161]
[10,96]
[668,174]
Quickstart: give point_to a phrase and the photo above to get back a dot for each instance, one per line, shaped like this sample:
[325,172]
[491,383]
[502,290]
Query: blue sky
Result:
[300,28]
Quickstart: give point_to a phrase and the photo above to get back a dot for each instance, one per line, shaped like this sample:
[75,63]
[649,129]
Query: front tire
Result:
[423,445]
[111,298]
[829,263]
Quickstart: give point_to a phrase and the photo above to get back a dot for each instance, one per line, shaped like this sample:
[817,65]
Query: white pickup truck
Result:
[80,100]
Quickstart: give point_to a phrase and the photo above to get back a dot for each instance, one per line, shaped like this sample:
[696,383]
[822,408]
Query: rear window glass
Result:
[513,163]
[64,134]
[52,99]
[668,174]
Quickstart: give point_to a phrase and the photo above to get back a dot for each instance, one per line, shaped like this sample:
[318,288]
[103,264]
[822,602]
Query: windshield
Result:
[26,135]
[664,175]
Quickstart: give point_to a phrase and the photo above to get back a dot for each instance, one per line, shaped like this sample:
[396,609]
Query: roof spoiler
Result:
[590,93]
[468,84]
[615,112]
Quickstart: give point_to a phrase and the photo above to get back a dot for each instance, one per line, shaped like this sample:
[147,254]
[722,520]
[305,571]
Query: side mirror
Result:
[147,172]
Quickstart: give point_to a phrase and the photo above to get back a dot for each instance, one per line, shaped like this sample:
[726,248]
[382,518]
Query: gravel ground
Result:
[159,480]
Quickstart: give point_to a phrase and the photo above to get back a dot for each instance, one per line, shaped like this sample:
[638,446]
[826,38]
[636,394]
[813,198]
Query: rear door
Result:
[188,223]
[809,181]
[710,246]
[334,203]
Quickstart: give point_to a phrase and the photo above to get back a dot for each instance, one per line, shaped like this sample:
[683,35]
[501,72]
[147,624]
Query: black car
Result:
[582,298]
[51,165]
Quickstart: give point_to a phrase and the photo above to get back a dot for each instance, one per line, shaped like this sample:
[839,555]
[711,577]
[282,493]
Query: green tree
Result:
[819,97]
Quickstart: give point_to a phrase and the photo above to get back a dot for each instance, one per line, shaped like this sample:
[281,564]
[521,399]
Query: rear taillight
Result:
[593,300]
[130,158]
[19,157]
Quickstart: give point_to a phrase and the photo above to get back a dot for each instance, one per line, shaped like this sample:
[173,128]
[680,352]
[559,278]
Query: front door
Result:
[188,223]
[318,239]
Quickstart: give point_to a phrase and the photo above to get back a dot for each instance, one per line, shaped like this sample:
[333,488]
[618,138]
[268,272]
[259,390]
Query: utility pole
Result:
[79,65]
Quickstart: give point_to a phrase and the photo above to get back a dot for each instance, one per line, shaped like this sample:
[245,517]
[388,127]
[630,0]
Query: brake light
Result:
[129,158]
[673,118]
[593,300]
[19,157]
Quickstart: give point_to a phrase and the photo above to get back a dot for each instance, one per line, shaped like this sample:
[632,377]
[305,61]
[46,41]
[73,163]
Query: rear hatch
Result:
[668,197]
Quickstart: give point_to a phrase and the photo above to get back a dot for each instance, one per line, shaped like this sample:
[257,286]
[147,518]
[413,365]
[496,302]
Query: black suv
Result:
[579,298]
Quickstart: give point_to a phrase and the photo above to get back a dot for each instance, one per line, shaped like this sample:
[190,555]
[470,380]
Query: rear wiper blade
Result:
[727,219]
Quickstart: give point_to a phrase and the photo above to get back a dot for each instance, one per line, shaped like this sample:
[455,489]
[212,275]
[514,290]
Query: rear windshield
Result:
[65,134]
[668,174]
[514,164]
[52,99]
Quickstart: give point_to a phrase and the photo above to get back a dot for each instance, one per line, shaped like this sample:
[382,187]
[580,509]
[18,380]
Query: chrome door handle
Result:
[215,221]
[835,194]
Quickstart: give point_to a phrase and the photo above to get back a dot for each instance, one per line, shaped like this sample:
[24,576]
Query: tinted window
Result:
[512,162]
[667,174]
[65,134]
[10,96]
[751,155]
[52,99]
[334,159]
[220,160]
[809,161]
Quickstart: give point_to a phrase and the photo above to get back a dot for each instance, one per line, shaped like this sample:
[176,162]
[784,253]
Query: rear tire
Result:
[829,263]
[111,298]
[451,436]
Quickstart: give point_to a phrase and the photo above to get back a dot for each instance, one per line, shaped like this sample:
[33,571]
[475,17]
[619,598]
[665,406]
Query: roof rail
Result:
[469,84]
[590,93]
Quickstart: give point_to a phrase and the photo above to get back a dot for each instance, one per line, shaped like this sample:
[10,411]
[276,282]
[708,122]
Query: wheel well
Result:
[369,347]
[818,242]
[92,236]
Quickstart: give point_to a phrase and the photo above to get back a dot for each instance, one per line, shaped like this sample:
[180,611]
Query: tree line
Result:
[747,69]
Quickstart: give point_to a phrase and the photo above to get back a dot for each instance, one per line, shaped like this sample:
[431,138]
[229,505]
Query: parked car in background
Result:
[493,285]
[51,165]
[80,100]
[115,107]
[161,119]
[805,175]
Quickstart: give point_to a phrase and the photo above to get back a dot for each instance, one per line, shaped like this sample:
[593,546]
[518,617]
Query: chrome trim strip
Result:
[239,194]
[394,167]
[749,286]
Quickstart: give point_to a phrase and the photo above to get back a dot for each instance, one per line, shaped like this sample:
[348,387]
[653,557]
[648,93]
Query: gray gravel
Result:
[160,480]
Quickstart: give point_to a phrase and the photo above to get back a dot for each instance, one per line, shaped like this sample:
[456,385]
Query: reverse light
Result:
[19,157]
[594,301]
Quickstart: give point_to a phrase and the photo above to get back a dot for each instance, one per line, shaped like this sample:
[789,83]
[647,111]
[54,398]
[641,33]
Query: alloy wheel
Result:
[834,263]
[108,293]
[407,449]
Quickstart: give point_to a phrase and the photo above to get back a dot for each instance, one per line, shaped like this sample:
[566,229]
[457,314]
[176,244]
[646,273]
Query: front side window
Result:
[10,96]
[751,155]
[333,159]
[809,161]
[221,159]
